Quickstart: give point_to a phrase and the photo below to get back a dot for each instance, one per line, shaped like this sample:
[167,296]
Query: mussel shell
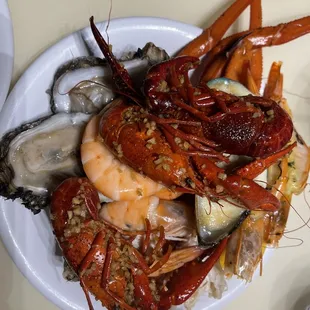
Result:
[229,86]
[217,222]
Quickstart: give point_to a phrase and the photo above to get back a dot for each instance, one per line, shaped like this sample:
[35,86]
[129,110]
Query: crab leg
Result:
[251,68]
[256,62]
[263,37]
[212,35]
[254,65]
[274,86]
[218,57]
[237,47]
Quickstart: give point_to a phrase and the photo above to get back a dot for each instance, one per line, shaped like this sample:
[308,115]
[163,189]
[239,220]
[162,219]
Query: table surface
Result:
[40,24]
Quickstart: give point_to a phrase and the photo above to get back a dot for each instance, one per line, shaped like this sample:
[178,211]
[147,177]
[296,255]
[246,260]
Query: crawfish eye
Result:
[189,182]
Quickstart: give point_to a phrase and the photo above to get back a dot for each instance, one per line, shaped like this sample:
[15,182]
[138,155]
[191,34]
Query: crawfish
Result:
[178,134]
[110,267]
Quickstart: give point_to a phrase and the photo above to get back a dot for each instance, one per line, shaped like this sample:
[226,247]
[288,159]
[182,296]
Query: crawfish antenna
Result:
[121,76]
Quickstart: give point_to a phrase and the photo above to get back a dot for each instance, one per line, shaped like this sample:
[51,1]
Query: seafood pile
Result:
[151,180]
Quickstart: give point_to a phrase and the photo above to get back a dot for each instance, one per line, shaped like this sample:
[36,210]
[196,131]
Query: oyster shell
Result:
[85,83]
[81,85]
[36,157]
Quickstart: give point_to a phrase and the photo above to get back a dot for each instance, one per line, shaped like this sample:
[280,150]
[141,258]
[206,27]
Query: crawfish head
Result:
[247,125]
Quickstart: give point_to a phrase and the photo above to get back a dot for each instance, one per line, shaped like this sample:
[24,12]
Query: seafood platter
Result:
[162,177]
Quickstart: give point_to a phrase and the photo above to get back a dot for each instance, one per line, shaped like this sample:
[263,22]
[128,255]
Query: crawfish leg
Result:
[142,263]
[86,292]
[252,195]
[106,274]
[97,250]
[188,278]
[143,294]
[255,168]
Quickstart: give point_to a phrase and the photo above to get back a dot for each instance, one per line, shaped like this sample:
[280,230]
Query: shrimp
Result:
[177,217]
[112,178]
[246,246]
[288,178]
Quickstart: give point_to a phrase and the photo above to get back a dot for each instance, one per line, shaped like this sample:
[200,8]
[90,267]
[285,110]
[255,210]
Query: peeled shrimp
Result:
[176,217]
[112,178]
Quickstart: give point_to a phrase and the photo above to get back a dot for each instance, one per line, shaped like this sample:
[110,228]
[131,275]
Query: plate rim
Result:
[10,50]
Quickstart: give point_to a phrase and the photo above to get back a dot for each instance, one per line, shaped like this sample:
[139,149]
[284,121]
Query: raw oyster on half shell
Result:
[85,83]
[36,157]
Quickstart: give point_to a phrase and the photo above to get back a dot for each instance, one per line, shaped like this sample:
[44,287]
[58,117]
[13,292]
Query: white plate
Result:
[29,239]
[6,51]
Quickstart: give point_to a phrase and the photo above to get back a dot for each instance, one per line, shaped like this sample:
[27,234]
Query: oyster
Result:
[81,85]
[85,83]
[36,157]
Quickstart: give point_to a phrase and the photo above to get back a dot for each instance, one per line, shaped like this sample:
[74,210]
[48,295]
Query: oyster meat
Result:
[36,157]
[85,83]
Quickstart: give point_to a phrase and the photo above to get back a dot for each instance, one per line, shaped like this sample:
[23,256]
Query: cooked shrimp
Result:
[288,179]
[176,217]
[112,178]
